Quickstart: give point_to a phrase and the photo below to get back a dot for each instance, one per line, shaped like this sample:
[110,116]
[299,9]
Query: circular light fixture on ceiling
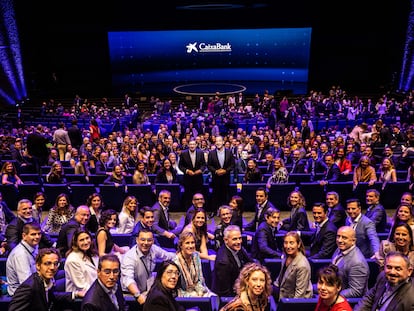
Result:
[212,6]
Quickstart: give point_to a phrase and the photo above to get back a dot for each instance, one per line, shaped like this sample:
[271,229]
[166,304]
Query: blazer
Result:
[403,299]
[252,226]
[332,174]
[366,236]
[14,231]
[226,270]
[161,300]
[297,221]
[161,223]
[378,215]
[64,239]
[80,272]
[96,299]
[264,243]
[323,243]
[296,280]
[31,296]
[214,164]
[354,271]
[337,215]
[185,164]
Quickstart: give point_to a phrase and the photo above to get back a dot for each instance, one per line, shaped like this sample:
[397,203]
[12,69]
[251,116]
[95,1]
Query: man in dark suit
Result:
[32,295]
[314,165]
[81,219]
[336,213]
[262,205]
[105,294]
[298,164]
[375,211]
[231,257]
[75,134]
[163,224]
[14,230]
[220,164]
[323,243]
[192,163]
[332,172]
[37,147]
[394,289]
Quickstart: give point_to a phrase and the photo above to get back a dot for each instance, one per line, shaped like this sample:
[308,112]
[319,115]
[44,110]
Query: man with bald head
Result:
[79,220]
[351,264]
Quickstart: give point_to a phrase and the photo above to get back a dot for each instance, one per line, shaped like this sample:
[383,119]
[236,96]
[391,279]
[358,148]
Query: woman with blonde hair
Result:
[253,288]
[128,216]
[298,219]
[188,260]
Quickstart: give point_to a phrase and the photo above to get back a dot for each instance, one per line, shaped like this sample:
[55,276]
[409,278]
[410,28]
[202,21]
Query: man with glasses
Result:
[138,265]
[197,202]
[38,291]
[105,294]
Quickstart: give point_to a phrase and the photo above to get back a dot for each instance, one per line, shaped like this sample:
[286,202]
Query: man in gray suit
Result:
[394,289]
[351,263]
[366,235]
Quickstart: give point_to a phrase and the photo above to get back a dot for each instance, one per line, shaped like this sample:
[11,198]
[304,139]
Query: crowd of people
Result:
[190,149]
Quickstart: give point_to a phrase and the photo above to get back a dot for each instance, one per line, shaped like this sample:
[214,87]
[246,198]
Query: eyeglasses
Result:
[49,263]
[173,273]
[109,271]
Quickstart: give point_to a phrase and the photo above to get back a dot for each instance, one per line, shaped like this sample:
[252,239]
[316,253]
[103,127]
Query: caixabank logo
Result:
[203,47]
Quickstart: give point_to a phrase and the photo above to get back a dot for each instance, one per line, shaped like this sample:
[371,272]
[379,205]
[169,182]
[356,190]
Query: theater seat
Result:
[304,304]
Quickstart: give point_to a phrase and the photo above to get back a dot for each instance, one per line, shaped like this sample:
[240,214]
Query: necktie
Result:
[113,298]
[337,258]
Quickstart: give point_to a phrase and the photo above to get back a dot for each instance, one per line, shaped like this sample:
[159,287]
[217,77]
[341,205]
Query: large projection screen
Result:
[200,62]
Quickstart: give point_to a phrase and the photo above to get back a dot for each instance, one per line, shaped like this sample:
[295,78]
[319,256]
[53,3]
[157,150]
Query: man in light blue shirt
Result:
[20,263]
[139,263]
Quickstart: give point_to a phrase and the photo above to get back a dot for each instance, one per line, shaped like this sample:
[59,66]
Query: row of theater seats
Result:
[113,196]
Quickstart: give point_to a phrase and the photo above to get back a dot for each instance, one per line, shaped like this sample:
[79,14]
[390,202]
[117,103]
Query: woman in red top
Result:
[345,165]
[94,130]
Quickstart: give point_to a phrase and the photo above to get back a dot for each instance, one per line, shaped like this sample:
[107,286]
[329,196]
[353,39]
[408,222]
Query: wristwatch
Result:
[136,295]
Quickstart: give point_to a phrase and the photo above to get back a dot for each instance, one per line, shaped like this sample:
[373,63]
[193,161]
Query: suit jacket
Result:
[296,280]
[366,235]
[36,146]
[354,271]
[333,173]
[298,220]
[14,231]
[96,299]
[161,223]
[226,270]
[378,215]
[298,167]
[264,243]
[80,272]
[252,226]
[64,239]
[31,295]
[214,164]
[403,299]
[75,136]
[337,215]
[161,300]
[323,243]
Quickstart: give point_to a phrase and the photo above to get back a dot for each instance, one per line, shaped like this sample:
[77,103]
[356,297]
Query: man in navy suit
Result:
[220,164]
[192,163]
[38,292]
[105,293]
[323,242]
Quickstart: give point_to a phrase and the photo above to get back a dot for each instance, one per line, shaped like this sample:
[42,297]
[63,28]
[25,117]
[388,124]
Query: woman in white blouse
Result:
[81,262]
[128,216]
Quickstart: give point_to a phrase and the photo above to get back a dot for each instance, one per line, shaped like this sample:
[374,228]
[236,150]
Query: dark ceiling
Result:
[357,47]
